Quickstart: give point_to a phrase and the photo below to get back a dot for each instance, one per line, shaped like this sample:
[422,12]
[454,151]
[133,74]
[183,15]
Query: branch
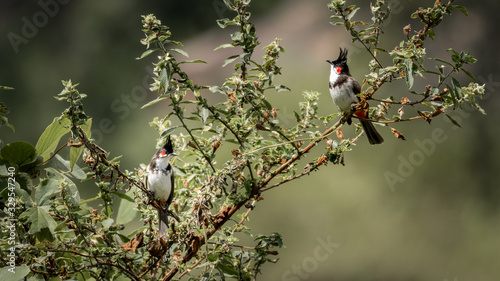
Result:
[55,153]
[102,158]
[198,147]
[192,266]
[297,156]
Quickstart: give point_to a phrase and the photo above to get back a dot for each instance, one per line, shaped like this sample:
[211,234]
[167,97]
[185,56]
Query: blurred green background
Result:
[439,221]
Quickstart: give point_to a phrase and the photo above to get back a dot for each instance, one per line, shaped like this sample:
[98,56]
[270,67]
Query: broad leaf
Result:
[17,273]
[40,219]
[126,211]
[71,189]
[46,189]
[48,141]
[64,165]
[19,153]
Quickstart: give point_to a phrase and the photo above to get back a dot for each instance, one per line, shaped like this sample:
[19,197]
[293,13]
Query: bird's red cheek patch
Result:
[163,154]
[338,69]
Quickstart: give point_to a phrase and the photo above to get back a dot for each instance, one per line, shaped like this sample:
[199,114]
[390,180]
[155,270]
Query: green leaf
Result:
[455,57]
[457,87]
[4,165]
[223,23]
[452,96]
[409,73]
[168,131]
[155,101]
[165,76]
[174,42]
[107,223]
[216,89]
[229,4]
[230,60]
[432,72]
[352,13]
[461,9]
[469,59]
[126,212]
[337,23]
[267,104]
[179,51]
[25,182]
[71,189]
[297,116]
[224,46]
[451,50]
[193,118]
[431,33]
[212,257]
[348,26]
[204,114]
[124,196]
[227,268]
[4,121]
[19,153]
[75,152]
[192,61]
[281,88]
[17,273]
[64,165]
[21,193]
[45,190]
[6,88]
[468,74]
[146,53]
[40,219]
[453,121]
[48,141]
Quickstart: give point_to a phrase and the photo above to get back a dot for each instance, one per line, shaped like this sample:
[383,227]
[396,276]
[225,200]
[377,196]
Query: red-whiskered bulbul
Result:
[160,182]
[343,89]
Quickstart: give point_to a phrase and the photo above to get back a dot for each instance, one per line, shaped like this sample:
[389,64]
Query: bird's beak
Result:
[329,61]
[174,154]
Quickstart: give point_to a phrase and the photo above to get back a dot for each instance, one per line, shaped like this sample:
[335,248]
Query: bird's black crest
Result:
[168,145]
[342,56]
[341,60]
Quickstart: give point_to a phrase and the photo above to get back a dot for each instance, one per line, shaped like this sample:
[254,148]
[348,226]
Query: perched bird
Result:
[160,182]
[343,89]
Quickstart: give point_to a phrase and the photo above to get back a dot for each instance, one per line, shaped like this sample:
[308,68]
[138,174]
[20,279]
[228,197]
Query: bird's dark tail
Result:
[163,220]
[373,136]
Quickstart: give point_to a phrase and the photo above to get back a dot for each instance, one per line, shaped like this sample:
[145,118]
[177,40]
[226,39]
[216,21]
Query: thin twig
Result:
[55,153]
[191,267]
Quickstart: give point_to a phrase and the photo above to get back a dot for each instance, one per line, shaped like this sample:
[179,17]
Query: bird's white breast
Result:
[160,184]
[343,96]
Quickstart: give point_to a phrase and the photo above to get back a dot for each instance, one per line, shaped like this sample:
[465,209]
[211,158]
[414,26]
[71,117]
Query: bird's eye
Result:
[338,69]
